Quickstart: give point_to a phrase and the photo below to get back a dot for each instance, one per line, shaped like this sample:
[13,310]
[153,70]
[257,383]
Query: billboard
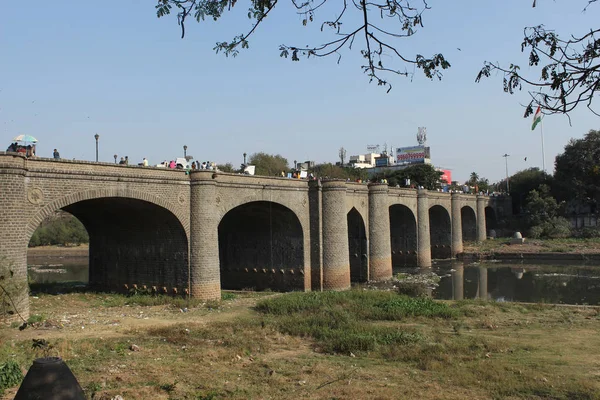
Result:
[446,176]
[382,161]
[413,154]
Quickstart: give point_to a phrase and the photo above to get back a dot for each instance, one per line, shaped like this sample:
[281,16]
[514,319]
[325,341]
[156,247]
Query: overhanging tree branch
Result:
[379,41]
[569,75]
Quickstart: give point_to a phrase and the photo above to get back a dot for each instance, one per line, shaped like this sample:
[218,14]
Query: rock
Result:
[134,347]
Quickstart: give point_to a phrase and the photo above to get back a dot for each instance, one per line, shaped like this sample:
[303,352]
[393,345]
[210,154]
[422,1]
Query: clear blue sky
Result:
[73,69]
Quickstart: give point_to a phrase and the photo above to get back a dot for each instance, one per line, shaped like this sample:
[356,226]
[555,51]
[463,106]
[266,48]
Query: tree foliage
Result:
[337,172]
[569,70]
[578,168]
[62,230]
[523,182]
[377,26]
[420,175]
[227,167]
[267,164]
[540,206]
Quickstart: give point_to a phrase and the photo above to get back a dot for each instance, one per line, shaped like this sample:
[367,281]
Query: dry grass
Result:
[237,351]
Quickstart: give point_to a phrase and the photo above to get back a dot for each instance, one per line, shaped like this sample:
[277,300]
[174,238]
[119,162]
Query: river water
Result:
[505,281]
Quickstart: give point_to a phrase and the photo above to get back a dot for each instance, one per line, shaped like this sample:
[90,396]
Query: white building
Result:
[363,160]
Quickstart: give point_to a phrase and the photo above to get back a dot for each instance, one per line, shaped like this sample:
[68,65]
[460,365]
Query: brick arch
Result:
[468,217]
[261,245]
[232,204]
[76,197]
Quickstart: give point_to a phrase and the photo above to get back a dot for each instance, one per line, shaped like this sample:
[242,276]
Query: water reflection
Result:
[534,283]
[55,269]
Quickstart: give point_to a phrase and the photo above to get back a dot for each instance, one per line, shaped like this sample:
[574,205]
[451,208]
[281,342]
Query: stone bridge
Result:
[196,234]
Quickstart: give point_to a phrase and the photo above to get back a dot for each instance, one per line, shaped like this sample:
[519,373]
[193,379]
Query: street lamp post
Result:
[96,136]
[115,156]
[184,151]
[295,164]
[506,162]
[245,158]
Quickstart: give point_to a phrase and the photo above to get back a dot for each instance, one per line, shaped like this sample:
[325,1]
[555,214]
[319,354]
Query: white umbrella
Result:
[25,138]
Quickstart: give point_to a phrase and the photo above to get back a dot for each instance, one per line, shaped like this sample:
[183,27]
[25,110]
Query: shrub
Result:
[588,233]
[555,228]
[10,375]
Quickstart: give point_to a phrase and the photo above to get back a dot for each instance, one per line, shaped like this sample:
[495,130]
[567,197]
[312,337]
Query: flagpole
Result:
[543,153]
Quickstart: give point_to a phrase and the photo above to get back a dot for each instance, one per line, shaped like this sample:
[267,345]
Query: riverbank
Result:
[58,251]
[358,344]
[533,249]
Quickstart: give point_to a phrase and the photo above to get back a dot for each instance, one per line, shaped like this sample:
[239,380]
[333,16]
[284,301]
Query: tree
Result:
[338,172]
[420,175]
[569,74]
[541,215]
[227,167]
[540,206]
[376,25]
[342,154]
[523,182]
[578,169]
[267,164]
[473,179]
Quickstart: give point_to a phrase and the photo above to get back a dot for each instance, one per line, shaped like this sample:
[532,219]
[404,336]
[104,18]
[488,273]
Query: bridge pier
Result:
[380,250]
[457,234]
[481,229]
[13,239]
[423,244]
[336,261]
[205,270]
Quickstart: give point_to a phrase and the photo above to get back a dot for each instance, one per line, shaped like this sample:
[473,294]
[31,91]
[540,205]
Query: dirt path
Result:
[70,318]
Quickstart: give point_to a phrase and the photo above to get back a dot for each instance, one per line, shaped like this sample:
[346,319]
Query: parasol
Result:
[25,138]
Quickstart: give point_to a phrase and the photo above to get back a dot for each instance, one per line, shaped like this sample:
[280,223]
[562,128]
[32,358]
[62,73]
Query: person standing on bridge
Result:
[56,155]
[144,162]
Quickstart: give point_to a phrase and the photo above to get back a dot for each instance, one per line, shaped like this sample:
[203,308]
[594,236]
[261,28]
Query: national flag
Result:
[537,118]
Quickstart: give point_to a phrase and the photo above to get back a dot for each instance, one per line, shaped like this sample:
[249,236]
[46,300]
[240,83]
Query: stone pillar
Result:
[336,258]
[458,276]
[423,245]
[16,202]
[380,248]
[316,237]
[205,273]
[457,235]
[483,282]
[481,229]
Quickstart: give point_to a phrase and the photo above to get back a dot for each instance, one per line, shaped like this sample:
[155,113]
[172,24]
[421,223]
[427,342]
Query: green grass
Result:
[351,321]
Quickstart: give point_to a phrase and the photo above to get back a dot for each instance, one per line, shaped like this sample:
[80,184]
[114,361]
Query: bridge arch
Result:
[403,236]
[468,224]
[72,198]
[261,246]
[136,239]
[358,247]
[440,232]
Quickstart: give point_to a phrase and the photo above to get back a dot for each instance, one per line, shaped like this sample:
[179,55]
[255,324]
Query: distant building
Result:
[363,160]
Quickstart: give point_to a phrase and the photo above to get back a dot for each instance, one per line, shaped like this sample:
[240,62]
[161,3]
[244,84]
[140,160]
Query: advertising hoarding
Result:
[409,155]
[382,161]
[446,176]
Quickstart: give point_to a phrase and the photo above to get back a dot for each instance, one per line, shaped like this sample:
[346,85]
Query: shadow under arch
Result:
[261,246]
[358,247]
[63,202]
[490,218]
[440,229]
[133,242]
[468,224]
[403,236]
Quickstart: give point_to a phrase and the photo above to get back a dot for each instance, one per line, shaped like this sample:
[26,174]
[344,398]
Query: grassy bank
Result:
[332,345]
[502,245]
